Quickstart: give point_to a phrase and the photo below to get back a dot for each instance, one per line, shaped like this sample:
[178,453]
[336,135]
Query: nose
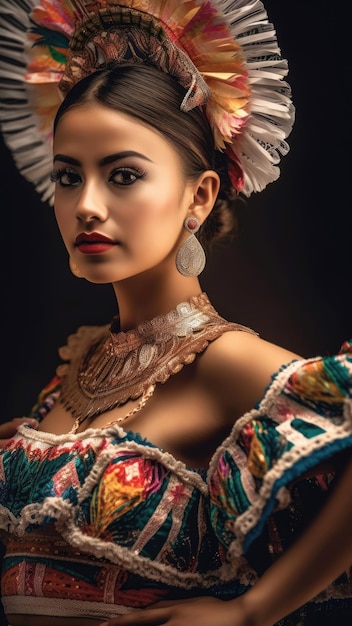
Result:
[91,205]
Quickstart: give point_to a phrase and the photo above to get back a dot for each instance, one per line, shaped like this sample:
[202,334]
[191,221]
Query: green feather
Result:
[50,38]
[57,56]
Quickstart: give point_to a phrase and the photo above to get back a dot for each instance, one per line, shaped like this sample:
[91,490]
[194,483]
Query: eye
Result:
[65,177]
[124,176]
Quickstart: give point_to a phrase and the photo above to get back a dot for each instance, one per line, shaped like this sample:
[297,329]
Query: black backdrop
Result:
[287,276]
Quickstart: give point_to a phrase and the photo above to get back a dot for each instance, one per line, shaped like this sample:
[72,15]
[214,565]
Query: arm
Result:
[320,555]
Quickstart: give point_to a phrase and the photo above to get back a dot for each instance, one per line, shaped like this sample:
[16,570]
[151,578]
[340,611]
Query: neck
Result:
[140,300]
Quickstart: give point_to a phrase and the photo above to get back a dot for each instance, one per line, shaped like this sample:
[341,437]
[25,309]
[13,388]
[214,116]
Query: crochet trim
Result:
[273,493]
[245,528]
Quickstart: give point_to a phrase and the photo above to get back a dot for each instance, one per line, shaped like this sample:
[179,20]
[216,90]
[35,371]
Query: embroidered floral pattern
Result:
[146,516]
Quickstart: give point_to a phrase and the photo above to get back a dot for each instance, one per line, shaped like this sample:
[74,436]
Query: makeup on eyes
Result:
[131,169]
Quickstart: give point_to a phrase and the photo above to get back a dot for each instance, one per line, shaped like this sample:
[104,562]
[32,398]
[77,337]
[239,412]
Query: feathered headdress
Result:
[223,52]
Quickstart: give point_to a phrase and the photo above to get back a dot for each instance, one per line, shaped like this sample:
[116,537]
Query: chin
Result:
[98,281]
[98,277]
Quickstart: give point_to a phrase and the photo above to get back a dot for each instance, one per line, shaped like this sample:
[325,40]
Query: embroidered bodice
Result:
[103,522]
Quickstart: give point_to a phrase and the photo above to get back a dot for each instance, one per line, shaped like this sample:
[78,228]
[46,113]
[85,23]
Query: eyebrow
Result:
[111,158]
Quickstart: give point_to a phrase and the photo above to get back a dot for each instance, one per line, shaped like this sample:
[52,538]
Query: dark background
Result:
[288,275]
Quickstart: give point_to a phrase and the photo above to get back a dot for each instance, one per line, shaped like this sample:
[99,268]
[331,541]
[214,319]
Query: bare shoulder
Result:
[240,349]
[238,366]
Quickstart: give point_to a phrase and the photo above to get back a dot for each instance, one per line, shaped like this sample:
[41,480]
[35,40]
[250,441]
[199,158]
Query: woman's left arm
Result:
[316,559]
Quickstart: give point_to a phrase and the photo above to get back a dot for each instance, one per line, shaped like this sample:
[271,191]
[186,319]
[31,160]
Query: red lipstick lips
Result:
[93,243]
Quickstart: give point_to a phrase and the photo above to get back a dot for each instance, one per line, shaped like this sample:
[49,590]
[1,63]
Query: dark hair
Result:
[154,97]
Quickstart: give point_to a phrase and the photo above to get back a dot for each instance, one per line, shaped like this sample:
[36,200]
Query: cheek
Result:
[153,228]
[160,206]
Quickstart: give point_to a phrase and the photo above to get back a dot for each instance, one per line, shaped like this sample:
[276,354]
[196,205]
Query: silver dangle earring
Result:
[190,258]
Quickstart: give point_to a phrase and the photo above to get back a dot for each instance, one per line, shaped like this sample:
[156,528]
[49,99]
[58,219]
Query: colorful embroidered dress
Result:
[104,522]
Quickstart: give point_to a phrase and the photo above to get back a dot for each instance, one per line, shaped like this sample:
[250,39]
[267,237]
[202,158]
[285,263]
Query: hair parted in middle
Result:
[153,97]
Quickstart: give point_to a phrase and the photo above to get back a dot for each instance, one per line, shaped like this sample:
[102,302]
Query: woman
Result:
[173,452]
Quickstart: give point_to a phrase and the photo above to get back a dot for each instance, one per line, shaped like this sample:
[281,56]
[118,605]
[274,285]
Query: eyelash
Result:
[57,175]
[138,175]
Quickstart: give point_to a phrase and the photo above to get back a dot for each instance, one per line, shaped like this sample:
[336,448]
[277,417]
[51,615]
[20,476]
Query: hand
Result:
[9,429]
[205,611]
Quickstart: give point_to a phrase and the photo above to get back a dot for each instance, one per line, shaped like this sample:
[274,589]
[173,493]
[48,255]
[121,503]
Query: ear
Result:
[205,192]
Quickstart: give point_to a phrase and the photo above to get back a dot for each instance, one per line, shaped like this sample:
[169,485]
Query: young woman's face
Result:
[121,195]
